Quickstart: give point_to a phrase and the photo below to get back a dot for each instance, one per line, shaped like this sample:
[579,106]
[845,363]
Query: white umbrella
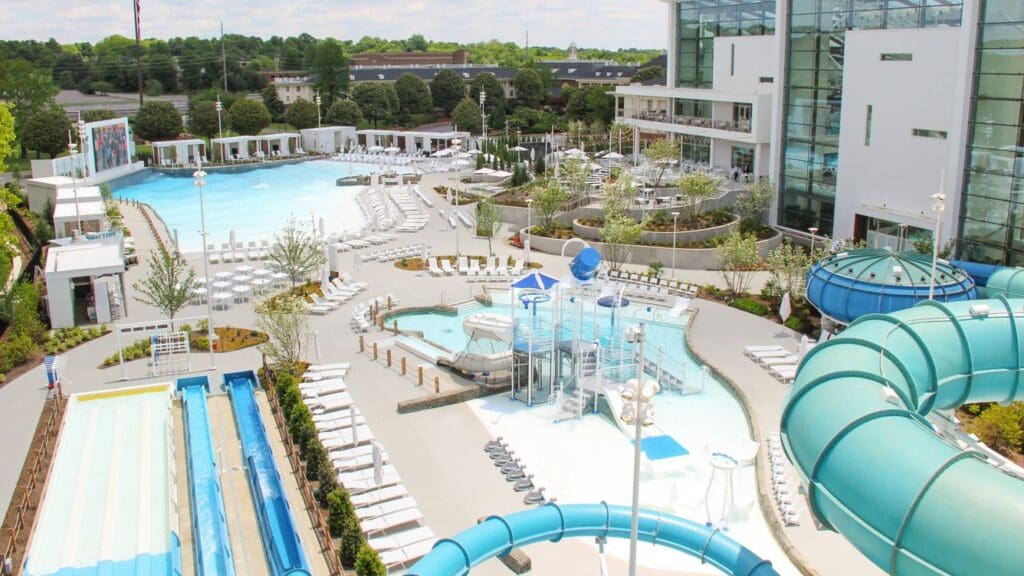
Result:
[392,149]
[613,156]
[785,308]
[442,153]
[260,283]
[461,163]
[242,279]
[221,284]
[805,345]
[375,149]
[378,464]
[518,149]
[231,239]
[260,272]
[244,269]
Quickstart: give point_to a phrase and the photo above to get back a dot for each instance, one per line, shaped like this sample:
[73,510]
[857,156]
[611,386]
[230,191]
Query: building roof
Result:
[588,69]
[85,209]
[233,139]
[83,193]
[327,129]
[409,58]
[391,74]
[55,181]
[86,257]
[175,143]
[278,136]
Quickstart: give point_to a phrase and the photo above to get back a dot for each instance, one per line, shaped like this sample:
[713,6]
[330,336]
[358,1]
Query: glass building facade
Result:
[699,22]
[815,46]
[992,214]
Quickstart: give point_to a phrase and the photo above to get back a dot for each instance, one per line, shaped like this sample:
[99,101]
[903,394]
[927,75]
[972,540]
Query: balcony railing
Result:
[698,122]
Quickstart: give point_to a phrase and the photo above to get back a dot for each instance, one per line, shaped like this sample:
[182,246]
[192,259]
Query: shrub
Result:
[288,398]
[339,511]
[796,323]
[1000,427]
[751,306]
[315,456]
[351,542]
[368,563]
[300,426]
[326,480]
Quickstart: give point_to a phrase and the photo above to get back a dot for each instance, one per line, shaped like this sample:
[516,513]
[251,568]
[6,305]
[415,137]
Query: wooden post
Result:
[420,368]
[403,365]
[389,357]
[437,384]
[362,344]
[374,350]
[389,302]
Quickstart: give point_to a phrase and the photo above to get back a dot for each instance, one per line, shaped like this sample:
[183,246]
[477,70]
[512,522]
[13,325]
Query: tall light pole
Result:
[483,118]
[316,100]
[939,206]
[813,230]
[220,125]
[675,227]
[637,409]
[456,145]
[200,181]
[529,228]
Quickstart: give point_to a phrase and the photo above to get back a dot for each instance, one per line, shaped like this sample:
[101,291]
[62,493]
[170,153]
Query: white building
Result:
[85,281]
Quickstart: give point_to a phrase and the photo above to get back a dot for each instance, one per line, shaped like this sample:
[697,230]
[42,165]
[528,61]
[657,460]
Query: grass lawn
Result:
[20,164]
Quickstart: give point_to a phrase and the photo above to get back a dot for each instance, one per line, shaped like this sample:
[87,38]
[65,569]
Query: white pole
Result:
[200,181]
[675,226]
[637,453]
[938,206]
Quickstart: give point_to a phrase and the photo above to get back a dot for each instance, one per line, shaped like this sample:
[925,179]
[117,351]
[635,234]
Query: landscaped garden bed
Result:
[230,339]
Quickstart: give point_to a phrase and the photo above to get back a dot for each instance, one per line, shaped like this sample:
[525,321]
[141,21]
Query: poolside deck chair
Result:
[331,416]
[474,268]
[750,350]
[346,438]
[682,305]
[329,403]
[433,268]
[214,257]
[784,373]
[309,377]
[406,554]
[391,521]
[382,495]
[385,508]
[356,463]
[350,282]
[446,266]
[360,486]
[517,268]
[329,387]
[332,367]
[321,301]
[340,424]
[331,295]
[399,539]
[318,309]
[780,360]
[463,265]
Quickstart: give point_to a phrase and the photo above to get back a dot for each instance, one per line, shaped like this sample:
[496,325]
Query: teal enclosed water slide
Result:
[874,467]
[498,535]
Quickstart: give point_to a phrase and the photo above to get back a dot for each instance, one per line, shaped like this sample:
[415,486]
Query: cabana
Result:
[178,152]
[412,142]
[85,281]
[329,139]
[67,215]
[277,145]
[234,147]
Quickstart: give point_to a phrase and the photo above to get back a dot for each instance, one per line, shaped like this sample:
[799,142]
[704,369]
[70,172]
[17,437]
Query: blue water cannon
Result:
[585,265]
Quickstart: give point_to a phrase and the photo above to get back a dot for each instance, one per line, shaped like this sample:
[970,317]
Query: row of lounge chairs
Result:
[472,269]
[360,243]
[379,212]
[674,287]
[781,488]
[335,293]
[779,361]
[415,218]
[388,516]
[361,311]
[397,253]
[238,252]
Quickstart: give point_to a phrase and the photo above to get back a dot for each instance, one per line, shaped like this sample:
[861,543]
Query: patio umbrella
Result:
[612,301]
[535,281]
[392,149]
[222,275]
[231,239]
[260,283]
[785,308]
[375,149]
[518,149]
[242,279]
[221,284]
[805,345]
[613,156]
[259,272]
[378,464]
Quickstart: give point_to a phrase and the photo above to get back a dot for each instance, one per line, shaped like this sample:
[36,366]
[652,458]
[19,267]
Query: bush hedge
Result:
[750,305]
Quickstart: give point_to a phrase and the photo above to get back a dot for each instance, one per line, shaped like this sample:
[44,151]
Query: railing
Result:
[695,121]
[24,512]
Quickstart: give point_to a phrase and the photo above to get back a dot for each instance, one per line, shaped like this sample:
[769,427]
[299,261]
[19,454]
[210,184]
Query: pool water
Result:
[254,204]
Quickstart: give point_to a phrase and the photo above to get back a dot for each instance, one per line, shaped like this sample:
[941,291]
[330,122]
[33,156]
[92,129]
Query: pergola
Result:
[179,152]
[235,147]
[283,144]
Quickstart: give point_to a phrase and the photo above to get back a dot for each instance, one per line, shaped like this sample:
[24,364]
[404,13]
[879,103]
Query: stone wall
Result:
[683,237]
[686,258]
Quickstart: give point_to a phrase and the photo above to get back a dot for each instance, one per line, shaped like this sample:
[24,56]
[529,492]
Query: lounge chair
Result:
[350,282]
[329,403]
[321,301]
[463,265]
[433,268]
[382,495]
[474,268]
[355,463]
[446,266]
[331,295]
[750,350]
[359,486]
[346,438]
[402,538]
[333,386]
[340,423]
[322,367]
[385,508]
[318,309]
[406,554]
[784,373]
[391,521]
[323,375]
[682,305]
[517,268]
[791,359]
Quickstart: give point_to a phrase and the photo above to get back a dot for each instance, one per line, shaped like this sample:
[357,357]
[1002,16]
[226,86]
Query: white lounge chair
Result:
[330,387]
[385,508]
[382,495]
[330,403]
[406,554]
[401,538]
[339,423]
[391,521]
[318,309]
[322,367]
[433,268]
[356,486]
[682,305]
[463,265]
[346,437]
[446,266]
[310,377]
[780,360]
[474,268]
[750,350]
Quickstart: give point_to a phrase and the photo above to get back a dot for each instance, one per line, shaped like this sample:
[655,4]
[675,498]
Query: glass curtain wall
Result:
[815,46]
[992,215]
[699,22]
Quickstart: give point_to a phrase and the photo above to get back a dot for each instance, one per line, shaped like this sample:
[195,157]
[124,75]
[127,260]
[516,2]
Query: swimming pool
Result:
[253,204]
[590,460]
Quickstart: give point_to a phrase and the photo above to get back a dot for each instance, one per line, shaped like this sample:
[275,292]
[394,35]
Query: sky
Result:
[592,24]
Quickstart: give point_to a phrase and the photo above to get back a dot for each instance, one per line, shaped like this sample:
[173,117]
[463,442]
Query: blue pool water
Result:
[254,204]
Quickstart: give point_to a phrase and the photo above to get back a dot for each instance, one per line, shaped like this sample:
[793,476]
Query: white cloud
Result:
[598,23]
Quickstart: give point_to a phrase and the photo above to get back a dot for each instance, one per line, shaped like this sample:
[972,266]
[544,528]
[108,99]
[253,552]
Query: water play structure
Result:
[284,553]
[498,535]
[211,544]
[855,426]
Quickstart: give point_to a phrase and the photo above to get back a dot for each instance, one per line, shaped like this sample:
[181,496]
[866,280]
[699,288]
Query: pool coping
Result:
[763,489]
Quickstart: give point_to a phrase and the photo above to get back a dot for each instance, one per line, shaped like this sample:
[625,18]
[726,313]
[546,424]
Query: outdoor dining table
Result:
[279,278]
[200,280]
[242,279]
[244,269]
[260,272]
[199,295]
[260,284]
[221,284]
[241,293]
[222,299]
[223,275]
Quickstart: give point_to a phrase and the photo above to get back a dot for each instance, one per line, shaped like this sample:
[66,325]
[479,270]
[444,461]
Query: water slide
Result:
[875,469]
[277,528]
[498,535]
[211,544]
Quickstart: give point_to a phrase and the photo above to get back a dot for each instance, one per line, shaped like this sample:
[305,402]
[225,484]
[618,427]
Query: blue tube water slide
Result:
[498,535]
[212,546]
[875,469]
[277,527]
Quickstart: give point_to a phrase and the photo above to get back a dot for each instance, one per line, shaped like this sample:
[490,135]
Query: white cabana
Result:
[278,145]
[97,267]
[328,139]
[410,141]
[92,215]
[168,153]
[235,147]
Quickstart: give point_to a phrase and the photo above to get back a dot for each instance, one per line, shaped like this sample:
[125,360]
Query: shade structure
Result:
[851,284]
[535,281]
[613,301]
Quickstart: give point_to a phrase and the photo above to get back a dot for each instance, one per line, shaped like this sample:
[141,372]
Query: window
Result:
[940,134]
[766,79]
[867,125]
[732,59]
[897,56]
[742,112]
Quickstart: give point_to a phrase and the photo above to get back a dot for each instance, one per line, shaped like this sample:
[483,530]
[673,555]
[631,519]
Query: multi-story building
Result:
[859,110]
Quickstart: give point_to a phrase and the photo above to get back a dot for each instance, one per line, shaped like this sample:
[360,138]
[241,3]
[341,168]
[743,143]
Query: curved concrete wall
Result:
[661,238]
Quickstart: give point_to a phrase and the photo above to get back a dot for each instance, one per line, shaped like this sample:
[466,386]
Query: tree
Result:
[368,563]
[301,427]
[25,90]
[315,456]
[662,153]
[296,252]
[697,189]
[344,112]
[331,70]
[416,43]
[737,254]
[618,235]
[351,542]
[161,67]
[413,95]
[339,511]
[248,116]
[202,119]
[648,73]
[158,120]
[447,89]
[377,101]
[286,323]
[153,88]
[788,265]
[6,135]
[302,114]
[752,207]
[575,172]
[273,103]
[169,285]
[47,132]
[101,87]
[466,116]
[548,200]
[538,165]
[98,115]
[492,88]
[529,87]
[488,220]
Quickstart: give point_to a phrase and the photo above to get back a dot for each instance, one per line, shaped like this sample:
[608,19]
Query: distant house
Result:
[458,57]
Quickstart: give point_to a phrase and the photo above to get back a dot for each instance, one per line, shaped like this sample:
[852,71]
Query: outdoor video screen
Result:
[110,146]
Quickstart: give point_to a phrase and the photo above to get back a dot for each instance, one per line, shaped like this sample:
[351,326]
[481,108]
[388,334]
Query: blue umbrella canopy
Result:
[612,301]
[535,281]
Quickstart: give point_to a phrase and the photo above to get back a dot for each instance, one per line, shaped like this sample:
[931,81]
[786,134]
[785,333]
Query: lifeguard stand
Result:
[170,353]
